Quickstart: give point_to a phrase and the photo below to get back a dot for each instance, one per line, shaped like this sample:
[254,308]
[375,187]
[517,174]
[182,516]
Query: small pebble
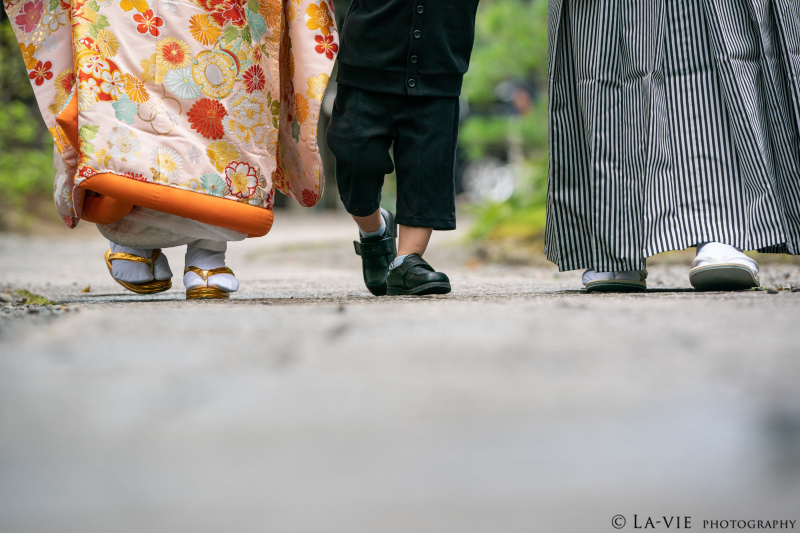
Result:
[796,289]
[772,290]
[6,298]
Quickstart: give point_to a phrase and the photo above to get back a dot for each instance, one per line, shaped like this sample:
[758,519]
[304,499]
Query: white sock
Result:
[133,272]
[398,261]
[377,233]
[208,260]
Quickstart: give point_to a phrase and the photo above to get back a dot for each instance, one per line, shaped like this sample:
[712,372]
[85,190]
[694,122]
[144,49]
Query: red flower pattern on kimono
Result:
[66,81]
[270,201]
[86,172]
[309,198]
[69,221]
[325,45]
[41,72]
[254,78]
[233,10]
[30,16]
[225,11]
[206,116]
[148,22]
[135,176]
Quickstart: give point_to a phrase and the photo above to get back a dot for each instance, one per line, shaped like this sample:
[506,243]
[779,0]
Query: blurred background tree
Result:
[506,93]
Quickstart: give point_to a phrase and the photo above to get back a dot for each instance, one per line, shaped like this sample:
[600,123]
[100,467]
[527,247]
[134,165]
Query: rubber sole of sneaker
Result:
[616,285]
[725,277]
[422,290]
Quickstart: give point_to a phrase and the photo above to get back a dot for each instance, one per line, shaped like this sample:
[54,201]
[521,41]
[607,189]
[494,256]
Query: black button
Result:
[420,9]
[412,83]
[414,59]
[417,34]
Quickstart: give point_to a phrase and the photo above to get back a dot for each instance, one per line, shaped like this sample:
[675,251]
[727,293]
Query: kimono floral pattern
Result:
[215,97]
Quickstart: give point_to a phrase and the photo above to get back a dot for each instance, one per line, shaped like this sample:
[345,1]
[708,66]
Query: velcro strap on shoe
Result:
[414,260]
[375,249]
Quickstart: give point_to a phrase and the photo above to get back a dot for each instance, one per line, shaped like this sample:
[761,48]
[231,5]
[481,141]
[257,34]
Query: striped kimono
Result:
[672,122]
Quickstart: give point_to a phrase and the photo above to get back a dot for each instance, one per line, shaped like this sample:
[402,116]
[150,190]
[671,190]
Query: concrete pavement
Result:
[515,404]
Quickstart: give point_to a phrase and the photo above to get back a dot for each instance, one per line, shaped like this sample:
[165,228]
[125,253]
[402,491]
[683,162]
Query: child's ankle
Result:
[377,233]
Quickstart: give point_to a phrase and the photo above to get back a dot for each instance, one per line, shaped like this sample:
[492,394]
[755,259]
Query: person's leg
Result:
[205,267]
[371,225]
[425,160]
[377,248]
[359,136]
[705,192]
[424,155]
[606,93]
[602,162]
[760,143]
[413,240]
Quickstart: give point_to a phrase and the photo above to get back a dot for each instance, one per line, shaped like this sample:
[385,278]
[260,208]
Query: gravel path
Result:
[515,404]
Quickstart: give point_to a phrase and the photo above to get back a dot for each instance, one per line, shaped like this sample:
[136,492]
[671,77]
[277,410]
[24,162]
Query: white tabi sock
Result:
[208,260]
[134,272]
[377,233]
[398,261]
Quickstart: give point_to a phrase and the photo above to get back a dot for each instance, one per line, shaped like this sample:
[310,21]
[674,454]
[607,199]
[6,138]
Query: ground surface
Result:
[515,404]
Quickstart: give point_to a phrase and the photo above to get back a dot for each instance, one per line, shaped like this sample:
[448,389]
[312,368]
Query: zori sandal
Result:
[723,277]
[148,287]
[627,281]
[209,292]
[720,267]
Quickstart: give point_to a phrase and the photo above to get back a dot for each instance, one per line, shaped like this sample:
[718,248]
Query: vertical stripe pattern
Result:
[672,122]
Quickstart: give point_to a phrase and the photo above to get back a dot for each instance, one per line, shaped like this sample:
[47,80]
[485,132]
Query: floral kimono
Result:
[196,108]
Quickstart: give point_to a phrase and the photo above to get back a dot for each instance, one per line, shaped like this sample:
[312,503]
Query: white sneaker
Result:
[720,267]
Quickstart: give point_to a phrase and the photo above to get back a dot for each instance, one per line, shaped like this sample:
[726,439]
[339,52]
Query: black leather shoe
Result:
[415,277]
[377,253]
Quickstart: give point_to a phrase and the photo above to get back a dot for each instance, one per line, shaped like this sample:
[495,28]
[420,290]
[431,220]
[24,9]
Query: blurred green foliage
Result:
[510,43]
[26,148]
[510,46]
[481,136]
[521,217]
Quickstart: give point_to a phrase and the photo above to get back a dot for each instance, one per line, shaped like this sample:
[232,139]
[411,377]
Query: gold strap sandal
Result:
[207,292]
[148,287]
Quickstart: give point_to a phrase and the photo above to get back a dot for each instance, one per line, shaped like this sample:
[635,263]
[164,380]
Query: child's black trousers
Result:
[422,133]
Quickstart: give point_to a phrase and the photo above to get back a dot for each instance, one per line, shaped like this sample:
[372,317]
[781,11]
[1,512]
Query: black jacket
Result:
[417,47]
